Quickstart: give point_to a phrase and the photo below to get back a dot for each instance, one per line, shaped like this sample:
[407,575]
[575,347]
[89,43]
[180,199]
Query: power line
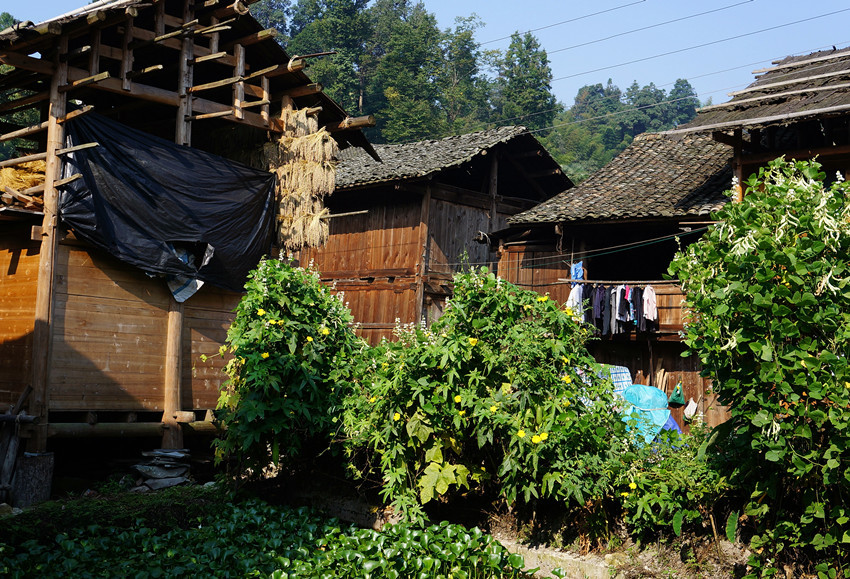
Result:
[647,27]
[568,21]
[701,45]
[749,64]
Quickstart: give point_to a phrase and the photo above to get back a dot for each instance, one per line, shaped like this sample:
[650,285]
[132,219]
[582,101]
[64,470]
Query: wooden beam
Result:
[99,77]
[27,62]
[210,115]
[25,132]
[137,73]
[267,34]
[185,29]
[183,132]
[21,160]
[215,84]
[255,104]
[172,437]
[352,123]
[67,150]
[262,72]
[213,56]
[798,154]
[300,91]
[25,102]
[75,53]
[214,38]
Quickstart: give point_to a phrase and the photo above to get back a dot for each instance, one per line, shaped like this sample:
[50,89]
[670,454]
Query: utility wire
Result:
[703,45]
[567,21]
[647,27]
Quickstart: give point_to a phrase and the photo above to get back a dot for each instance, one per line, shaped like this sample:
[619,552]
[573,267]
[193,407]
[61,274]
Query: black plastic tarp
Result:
[148,201]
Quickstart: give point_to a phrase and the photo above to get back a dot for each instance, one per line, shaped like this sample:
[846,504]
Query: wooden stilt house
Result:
[405,225]
[90,343]
[624,224]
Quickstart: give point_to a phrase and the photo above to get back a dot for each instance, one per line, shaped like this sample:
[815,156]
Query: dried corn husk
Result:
[23,176]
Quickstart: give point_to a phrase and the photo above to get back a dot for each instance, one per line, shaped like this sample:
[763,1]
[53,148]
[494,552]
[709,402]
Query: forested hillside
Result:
[420,82]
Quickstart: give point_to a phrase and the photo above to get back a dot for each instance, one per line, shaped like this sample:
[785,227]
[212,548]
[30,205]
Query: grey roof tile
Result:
[655,176]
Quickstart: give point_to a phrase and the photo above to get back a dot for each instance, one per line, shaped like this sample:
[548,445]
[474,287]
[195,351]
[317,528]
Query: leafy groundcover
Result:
[208,536]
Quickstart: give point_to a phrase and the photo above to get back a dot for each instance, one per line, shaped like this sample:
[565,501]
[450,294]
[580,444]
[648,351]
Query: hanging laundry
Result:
[574,301]
[577,272]
[650,309]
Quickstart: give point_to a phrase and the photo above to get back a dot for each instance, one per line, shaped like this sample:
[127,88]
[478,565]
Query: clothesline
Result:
[610,282]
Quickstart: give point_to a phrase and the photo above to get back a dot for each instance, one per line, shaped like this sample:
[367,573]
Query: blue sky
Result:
[714,69]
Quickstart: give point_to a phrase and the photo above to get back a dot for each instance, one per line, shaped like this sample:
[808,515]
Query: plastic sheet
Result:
[146,201]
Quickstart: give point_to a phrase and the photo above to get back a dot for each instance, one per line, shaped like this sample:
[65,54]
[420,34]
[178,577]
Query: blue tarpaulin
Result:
[648,412]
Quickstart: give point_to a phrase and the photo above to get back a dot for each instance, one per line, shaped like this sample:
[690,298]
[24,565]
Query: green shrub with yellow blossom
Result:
[288,334]
[500,396]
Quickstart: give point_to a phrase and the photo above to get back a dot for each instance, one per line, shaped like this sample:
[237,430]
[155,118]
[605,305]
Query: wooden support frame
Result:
[86,81]
[42,342]
[127,55]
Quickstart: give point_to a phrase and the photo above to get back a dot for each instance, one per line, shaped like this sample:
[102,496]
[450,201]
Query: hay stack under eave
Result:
[20,178]
[304,160]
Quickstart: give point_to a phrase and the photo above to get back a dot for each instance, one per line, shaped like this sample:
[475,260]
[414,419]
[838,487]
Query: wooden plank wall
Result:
[207,315]
[535,270]
[377,244]
[451,229]
[109,337]
[18,282]
[374,258]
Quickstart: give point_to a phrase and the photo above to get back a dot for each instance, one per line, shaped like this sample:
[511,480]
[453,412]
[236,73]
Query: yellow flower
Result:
[568,311]
[325,331]
[396,416]
[624,494]
[520,434]
[385,365]
[372,399]
[544,435]
[493,409]
[526,307]
[461,413]
[309,338]
[543,299]
[567,379]
[264,355]
[566,403]
[473,341]
[457,398]
[632,486]
[565,360]
[261,312]
[443,335]
[535,439]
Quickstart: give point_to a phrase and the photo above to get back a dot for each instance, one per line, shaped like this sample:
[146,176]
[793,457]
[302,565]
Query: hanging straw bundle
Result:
[304,161]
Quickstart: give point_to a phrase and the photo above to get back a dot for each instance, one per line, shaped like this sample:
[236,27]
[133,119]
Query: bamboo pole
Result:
[239,86]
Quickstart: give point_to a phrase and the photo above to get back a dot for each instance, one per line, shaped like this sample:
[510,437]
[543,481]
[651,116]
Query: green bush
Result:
[289,333]
[769,292]
[670,485]
[500,395]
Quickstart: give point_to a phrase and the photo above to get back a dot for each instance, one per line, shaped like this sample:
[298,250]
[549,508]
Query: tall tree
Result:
[463,87]
[683,102]
[525,84]
[273,14]
[404,60]
[339,25]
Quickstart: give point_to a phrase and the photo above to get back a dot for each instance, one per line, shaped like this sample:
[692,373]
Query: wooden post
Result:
[183,132]
[172,436]
[494,189]
[738,163]
[42,342]
[127,54]
[267,96]
[94,55]
[424,246]
[214,36]
[239,87]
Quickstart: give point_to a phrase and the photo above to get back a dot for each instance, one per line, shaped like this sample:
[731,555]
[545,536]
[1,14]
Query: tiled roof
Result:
[796,88]
[656,176]
[420,159]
